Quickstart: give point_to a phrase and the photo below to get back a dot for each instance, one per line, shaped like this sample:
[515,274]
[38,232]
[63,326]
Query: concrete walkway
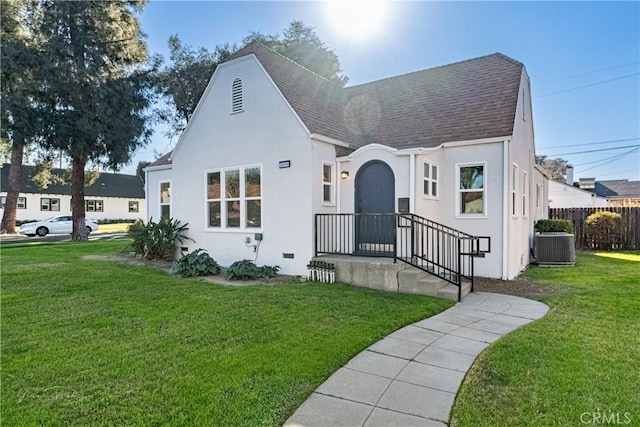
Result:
[411,377]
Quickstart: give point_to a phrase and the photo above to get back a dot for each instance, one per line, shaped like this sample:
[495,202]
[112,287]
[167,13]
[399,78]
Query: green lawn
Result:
[579,363]
[100,343]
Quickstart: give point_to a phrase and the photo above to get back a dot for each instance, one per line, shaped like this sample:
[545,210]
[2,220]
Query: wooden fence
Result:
[630,220]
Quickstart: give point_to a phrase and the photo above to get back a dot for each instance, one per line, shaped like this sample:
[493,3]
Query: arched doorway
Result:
[374,194]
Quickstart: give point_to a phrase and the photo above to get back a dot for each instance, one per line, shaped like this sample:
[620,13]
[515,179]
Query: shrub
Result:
[157,241]
[554,225]
[247,270]
[196,263]
[604,228]
[116,221]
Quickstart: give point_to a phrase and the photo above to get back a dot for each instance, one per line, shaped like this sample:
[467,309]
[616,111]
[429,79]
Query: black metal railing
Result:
[427,245]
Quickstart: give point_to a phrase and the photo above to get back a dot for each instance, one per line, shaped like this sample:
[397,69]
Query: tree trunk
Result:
[79,232]
[15,183]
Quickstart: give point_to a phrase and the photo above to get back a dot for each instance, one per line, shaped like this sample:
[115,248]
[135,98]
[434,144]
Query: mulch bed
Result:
[517,287]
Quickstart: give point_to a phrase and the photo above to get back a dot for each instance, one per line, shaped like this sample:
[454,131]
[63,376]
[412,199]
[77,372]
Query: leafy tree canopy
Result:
[556,168]
[183,81]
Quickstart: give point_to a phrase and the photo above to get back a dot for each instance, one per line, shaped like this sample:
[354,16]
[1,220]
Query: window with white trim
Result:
[94,206]
[514,190]
[237,96]
[328,184]
[472,197]
[430,177]
[538,196]
[234,197]
[48,204]
[133,206]
[165,200]
[525,193]
[22,202]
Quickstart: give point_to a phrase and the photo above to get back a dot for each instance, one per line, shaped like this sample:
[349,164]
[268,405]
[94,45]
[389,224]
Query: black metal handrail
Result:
[422,243]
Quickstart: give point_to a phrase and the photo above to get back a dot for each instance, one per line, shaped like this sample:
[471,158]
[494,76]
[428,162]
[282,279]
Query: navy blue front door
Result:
[375,194]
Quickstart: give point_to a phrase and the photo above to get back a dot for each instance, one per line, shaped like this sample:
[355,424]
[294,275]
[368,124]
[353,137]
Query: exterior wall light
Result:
[344,174]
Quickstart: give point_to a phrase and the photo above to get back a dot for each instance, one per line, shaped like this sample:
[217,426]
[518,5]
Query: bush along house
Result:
[433,169]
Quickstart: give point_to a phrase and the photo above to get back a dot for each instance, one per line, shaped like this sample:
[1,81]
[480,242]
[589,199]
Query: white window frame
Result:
[515,173]
[49,200]
[430,180]
[539,188]
[160,204]
[525,194]
[242,200]
[95,203]
[21,204]
[237,96]
[459,191]
[331,184]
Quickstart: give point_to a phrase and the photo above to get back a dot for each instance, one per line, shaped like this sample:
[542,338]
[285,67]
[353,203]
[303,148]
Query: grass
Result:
[113,228]
[101,343]
[578,363]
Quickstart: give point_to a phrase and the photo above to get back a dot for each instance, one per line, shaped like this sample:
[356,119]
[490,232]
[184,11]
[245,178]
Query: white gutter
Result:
[328,140]
[412,183]
[505,208]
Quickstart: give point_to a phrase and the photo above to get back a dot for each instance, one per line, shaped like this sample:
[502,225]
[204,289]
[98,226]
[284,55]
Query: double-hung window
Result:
[22,202]
[48,204]
[525,193]
[430,176]
[514,190]
[472,197]
[94,206]
[328,184]
[234,197]
[165,200]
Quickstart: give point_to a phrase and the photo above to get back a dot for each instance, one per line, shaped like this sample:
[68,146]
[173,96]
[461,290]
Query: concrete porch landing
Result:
[411,377]
[385,275]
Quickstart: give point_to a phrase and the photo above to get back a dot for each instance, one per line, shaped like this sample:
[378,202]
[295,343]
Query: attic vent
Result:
[236,96]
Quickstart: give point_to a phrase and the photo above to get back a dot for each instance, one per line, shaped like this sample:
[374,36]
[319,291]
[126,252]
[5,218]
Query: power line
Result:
[587,73]
[616,156]
[590,143]
[605,163]
[599,150]
[589,85]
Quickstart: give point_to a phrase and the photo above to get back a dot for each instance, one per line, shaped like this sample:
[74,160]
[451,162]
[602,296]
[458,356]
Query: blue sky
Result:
[582,59]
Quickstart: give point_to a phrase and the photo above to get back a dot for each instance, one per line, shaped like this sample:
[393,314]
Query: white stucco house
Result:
[272,145]
[563,195]
[113,197]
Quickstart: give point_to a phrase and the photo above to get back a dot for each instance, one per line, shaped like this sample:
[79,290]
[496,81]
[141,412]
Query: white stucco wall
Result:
[113,207]
[566,196]
[265,133]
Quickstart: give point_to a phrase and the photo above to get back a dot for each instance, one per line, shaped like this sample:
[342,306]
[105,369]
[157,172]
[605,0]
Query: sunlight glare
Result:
[356,19]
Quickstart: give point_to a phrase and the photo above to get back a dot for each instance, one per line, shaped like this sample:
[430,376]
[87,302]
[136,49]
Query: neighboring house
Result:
[112,196]
[272,144]
[619,192]
[563,195]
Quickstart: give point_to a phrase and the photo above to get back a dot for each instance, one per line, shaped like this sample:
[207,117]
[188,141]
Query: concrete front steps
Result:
[383,274]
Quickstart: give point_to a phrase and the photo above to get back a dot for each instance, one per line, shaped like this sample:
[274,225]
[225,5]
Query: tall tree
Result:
[95,87]
[555,167]
[18,117]
[184,80]
[301,44]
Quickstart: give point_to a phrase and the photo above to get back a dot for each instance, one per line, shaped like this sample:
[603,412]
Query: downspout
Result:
[412,183]
[505,209]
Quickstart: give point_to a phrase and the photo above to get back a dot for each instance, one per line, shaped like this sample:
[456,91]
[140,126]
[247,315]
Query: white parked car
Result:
[61,224]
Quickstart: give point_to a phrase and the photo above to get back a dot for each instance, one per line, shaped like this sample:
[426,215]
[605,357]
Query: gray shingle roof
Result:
[617,188]
[164,160]
[466,100]
[107,184]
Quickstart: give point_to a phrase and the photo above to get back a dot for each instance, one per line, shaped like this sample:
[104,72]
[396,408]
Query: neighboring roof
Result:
[467,100]
[107,184]
[164,160]
[619,188]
